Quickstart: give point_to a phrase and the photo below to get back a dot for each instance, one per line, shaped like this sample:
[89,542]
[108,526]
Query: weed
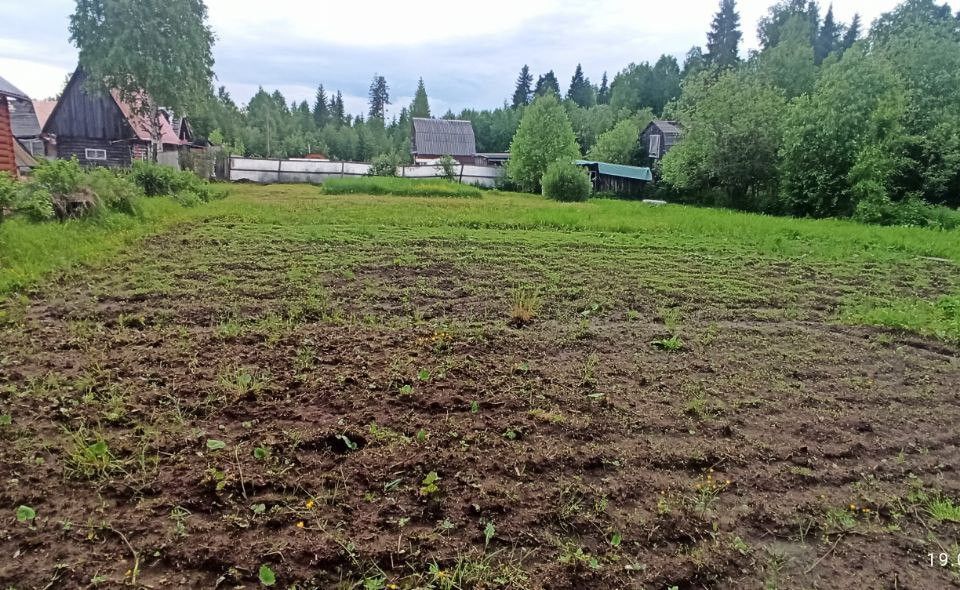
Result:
[240,382]
[707,490]
[524,305]
[574,556]
[943,510]
[26,514]
[430,487]
[671,344]
[179,516]
[88,455]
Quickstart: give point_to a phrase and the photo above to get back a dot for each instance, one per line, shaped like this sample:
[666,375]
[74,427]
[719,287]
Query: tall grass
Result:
[29,250]
[403,187]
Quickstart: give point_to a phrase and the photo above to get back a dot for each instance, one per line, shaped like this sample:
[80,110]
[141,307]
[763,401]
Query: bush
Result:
[35,201]
[405,187]
[384,165]
[114,191]
[59,177]
[154,179]
[8,192]
[909,212]
[447,168]
[187,199]
[157,180]
[565,181]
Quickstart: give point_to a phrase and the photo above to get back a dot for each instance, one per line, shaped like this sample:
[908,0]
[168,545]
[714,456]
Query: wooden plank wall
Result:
[8,161]
[118,152]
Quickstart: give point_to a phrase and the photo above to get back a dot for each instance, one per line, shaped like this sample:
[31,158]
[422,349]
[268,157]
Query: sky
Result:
[469,54]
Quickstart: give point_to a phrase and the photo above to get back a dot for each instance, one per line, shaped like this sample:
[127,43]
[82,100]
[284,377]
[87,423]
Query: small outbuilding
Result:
[434,138]
[659,137]
[10,98]
[101,129]
[617,179]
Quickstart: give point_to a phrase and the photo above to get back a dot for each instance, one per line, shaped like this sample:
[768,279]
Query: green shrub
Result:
[154,179]
[58,177]
[35,202]
[114,191]
[384,165]
[912,212]
[448,167]
[405,187]
[8,192]
[187,198]
[565,181]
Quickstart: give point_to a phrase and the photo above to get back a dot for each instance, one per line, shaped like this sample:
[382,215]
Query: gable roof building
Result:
[659,137]
[100,128]
[435,138]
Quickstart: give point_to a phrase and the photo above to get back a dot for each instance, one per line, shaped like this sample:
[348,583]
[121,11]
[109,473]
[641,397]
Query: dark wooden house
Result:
[10,95]
[434,138]
[617,179]
[100,129]
[658,138]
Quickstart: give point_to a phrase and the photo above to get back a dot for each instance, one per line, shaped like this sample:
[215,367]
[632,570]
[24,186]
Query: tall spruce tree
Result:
[521,96]
[723,40]
[321,108]
[379,97]
[547,84]
[603,93]
[580,91]
[852,34]
[420,107]
[337,111]
[828,39]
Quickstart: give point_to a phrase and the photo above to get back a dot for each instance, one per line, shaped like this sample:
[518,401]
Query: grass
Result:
[29,251]
[940,318]
[403,187]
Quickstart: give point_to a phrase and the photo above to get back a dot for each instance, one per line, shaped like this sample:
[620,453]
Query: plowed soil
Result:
[237,393]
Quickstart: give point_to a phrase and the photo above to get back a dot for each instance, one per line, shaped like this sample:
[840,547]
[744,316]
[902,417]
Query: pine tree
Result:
[379,97]
[580,91]
[521,96]
[852,34]
[547,84]
[337,112]
[723,40]
[603,93]
[321,108]
[421,104]
[828,38]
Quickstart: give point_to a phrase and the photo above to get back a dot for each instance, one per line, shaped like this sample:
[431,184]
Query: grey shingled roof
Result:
[671,132]
[443,137]
[23,119]
[8,89]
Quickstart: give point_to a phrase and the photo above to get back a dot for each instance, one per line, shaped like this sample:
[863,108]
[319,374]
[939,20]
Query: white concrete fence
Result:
[263,171]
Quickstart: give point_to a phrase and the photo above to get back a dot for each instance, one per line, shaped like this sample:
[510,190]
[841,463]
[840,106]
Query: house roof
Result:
[619,170]
[141,123]
[8,89]
[443,137]
[43,109]
[23,119]
[671,131]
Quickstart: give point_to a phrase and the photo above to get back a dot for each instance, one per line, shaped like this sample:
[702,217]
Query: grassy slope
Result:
[838,249]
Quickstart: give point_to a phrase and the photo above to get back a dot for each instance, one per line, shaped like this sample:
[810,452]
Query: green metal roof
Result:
[634,172]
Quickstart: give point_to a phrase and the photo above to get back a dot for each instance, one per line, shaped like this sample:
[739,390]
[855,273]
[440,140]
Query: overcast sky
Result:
[469,54]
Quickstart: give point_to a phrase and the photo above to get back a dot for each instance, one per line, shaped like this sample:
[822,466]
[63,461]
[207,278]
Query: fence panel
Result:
[265,171]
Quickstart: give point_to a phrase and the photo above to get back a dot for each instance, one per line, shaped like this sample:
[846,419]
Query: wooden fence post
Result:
[461,173]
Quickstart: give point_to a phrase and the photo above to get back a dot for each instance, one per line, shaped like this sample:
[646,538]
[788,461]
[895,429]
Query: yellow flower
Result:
[853,507]
[310,504]
[300,525]
[441,574]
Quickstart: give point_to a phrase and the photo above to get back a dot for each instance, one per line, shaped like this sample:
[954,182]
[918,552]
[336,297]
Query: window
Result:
[95,154]
[36,147]
[654,151]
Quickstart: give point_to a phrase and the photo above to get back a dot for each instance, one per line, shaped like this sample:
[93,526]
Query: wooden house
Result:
[434,138]
[10,96]
[659,137]
[617,179]
[101,129]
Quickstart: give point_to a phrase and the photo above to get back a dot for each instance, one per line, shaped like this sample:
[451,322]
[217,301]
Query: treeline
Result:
[820,122]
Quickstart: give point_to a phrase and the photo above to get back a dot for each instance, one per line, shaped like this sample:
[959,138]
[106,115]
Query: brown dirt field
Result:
[359,365]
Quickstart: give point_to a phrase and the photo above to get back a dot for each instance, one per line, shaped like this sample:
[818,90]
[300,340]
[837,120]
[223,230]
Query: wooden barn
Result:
[659,137]
[100,129]
[617,179]
[434,138]
[10,96]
